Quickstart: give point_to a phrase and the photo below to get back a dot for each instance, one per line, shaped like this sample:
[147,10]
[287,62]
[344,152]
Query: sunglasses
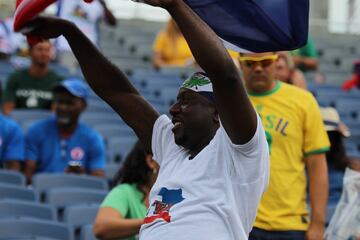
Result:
[264,62]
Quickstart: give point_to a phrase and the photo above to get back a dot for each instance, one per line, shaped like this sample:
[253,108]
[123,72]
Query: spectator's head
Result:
[194,114]
[70,101]
[41,54]
[258,71]
[284,66]
[336,157]
[139,168]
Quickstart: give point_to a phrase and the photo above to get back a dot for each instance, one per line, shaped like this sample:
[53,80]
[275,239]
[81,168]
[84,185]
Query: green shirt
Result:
[308,50]
[30,92]
[128,201]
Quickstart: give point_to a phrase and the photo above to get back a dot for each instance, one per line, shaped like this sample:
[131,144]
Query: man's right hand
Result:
[48,27]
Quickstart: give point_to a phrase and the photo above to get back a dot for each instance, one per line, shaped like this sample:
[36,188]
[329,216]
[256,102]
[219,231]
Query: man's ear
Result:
[216,118]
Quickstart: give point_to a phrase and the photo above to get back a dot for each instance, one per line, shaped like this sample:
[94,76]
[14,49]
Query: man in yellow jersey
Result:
[298,142]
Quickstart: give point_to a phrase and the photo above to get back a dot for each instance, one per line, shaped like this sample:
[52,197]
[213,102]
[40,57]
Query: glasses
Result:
[264,62]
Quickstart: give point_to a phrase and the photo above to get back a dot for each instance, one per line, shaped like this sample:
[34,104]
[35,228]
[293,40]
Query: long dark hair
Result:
[336,157]
[135,169]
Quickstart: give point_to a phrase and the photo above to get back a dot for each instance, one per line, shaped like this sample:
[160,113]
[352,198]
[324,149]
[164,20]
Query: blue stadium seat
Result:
[6,67]
[80,215]
[63,197]
[46,181]
[336,181]
[98,107]
[169,95]
[60,69]
[12,177]
[38,229]
[114,130]
[351,147]
[330,212]
[119,147]
[30,115]
[110,170]
[15,208]
[93,118]
[180,72]
[86,233]
[11,191]
[350,105]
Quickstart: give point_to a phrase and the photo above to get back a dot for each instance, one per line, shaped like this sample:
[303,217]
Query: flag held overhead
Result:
[257,25]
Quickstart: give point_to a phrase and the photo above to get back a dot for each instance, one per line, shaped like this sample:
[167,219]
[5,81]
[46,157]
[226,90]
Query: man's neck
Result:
[265,90]
[38,71]
[195,150]
[65,131]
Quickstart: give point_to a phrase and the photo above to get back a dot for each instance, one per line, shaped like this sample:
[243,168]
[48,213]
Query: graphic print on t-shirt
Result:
[160,208]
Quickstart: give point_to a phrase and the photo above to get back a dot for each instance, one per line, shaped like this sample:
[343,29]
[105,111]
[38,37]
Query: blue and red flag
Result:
[256,25]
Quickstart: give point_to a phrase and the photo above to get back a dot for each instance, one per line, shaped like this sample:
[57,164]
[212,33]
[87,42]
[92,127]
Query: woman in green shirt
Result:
[124,208]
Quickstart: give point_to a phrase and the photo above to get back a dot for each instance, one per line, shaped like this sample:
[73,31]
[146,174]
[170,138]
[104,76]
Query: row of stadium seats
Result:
[58,206]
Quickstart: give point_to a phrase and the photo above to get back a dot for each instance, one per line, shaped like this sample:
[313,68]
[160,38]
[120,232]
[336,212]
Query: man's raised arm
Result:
[236,112]
[104,78]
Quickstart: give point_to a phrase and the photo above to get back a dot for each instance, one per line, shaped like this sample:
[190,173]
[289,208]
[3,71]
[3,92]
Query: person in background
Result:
[62,143]
[31,88]
[123,211]
[306,58]
[286,71]
[297,141]
[12,144]
[337,157]
[354,82]
[87,17]
[171,49]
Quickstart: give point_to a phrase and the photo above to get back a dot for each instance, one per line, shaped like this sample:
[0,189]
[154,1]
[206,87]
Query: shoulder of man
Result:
[9,124]
[41,126]
[18,74]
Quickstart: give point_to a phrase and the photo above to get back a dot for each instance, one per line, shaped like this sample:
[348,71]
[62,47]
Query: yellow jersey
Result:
[177,53]
[294,130]
[174,53]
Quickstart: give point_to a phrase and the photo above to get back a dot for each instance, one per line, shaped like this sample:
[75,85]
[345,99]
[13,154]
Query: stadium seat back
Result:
[45,181]
[11,191]
[12,177]
[25,227]
[16,208]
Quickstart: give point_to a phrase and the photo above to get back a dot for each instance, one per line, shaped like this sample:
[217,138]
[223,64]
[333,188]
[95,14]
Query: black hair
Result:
[336,157]
[135,169]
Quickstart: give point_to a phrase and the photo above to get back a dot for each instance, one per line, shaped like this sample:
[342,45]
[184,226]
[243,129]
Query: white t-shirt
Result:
[85,16]
[213,196]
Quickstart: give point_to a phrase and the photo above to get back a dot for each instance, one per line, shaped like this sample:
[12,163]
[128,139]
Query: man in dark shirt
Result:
[31,88]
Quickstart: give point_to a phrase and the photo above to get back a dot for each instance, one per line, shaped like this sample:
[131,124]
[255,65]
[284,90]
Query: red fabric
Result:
[351,83]
[164,215]
[26,10]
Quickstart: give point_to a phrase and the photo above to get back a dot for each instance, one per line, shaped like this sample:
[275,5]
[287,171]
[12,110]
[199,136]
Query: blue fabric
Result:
[75,86]
[259,234]
[12,143]
[257,26]
[53,154]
